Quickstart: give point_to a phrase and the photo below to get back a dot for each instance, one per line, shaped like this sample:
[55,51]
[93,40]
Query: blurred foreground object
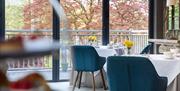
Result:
[13,44]
[29,44]
[32,82]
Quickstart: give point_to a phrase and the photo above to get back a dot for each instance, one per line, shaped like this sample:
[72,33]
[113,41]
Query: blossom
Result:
[92,38]
[128,43]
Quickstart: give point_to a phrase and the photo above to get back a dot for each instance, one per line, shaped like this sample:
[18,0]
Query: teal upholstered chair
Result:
[86,59]
[147,49]
[133,74]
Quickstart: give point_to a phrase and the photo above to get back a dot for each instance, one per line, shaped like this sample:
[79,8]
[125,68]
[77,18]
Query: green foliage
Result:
[14,17]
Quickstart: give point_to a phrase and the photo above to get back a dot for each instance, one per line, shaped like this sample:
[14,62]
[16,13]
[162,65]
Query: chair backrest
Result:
[84,58]
[133,74]
[147,49]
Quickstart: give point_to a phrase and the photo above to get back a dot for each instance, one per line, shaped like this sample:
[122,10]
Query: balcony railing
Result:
[139,37]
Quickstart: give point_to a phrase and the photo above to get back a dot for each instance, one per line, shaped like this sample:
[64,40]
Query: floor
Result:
[56,86]
[64,86]
[47,73]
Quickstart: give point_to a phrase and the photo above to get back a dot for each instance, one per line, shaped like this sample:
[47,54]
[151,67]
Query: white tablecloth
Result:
[165,67]
[169,68]
[104,51]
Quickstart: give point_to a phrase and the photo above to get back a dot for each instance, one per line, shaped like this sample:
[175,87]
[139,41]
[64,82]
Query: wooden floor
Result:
[64,86]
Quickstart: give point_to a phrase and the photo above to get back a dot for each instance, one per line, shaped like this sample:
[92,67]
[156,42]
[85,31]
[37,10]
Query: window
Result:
[129,20]
[173,17]
[29,17]
[84,20]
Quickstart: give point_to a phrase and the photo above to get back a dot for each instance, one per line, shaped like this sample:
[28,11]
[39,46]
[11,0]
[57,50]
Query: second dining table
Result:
[166,67]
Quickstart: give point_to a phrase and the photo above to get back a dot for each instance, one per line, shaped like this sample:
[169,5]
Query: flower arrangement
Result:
[128,44]
[92,38]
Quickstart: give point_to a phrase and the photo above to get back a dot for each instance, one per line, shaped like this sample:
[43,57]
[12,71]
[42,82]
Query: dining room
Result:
[90,45]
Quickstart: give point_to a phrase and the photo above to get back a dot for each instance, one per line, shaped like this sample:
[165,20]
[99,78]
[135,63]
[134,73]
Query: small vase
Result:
[128,51]
[91,43]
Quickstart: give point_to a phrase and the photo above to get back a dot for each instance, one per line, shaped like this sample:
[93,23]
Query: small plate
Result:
[177,55]
[169,57]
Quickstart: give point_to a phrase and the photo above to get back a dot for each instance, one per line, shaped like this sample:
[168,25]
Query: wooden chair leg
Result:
[93,82]
[80,79]
[102,76]
[74,85]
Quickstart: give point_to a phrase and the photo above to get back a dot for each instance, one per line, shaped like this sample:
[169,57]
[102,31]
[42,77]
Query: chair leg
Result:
[75,81]
[80,79]
[102,76]
[93,81]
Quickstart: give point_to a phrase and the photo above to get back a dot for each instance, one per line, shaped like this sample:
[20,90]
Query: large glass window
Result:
[129,20]
[26,18]
[84,21]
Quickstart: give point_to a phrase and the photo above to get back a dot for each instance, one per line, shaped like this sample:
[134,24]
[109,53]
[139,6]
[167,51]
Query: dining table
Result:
[165,67]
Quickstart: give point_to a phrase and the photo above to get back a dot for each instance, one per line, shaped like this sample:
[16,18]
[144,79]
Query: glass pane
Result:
[26,18]
[176,23]
[84,20]
[177,10]
[170,23]
[176,18]
[129,19]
